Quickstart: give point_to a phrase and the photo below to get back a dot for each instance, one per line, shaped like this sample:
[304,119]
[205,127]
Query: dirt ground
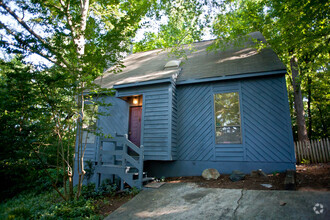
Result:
[111,203]
[315,177]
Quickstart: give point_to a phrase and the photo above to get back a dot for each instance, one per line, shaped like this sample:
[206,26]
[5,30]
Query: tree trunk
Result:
[80,44]
[309,82]
[323,122]
[298,101]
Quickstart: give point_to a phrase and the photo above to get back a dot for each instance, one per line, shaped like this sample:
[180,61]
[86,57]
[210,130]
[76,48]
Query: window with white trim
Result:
[227,118]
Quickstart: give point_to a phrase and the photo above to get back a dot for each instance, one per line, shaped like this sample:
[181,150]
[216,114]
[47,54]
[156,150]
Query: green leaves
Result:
[185,25]
[293,28]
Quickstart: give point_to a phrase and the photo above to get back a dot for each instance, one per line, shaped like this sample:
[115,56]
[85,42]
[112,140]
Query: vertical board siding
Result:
[156,125]
[195,138]
[267,134]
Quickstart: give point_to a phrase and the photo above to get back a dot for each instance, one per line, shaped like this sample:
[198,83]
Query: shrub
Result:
[47,205]
[20,213]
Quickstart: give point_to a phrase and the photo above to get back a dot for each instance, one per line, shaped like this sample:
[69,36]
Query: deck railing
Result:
[128,154]
[314,151]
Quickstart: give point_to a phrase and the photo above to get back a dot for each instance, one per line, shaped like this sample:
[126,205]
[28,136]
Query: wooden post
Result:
[123,157]
[323,151]
[326,143]
[296,151]
[141,160]
[328,148]
[313,152]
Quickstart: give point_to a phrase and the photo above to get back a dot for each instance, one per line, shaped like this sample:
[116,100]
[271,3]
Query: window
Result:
[227,118]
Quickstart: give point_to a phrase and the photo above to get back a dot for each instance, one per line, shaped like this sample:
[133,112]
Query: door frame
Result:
[141,122]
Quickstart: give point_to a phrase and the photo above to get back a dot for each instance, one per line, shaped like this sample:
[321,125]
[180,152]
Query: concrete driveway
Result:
[188,201]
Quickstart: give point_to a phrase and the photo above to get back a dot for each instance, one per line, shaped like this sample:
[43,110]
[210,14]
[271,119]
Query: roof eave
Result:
[144,83]
[238,76]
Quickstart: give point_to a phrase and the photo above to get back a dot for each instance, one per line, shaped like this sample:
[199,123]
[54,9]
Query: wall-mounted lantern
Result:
[135,100]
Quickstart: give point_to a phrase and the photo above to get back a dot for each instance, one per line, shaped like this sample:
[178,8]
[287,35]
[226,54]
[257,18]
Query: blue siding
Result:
[195,119]
[266,130]
[156,129]
[268,136]
[117,121]
[174,119]
[178,124]
[228,152]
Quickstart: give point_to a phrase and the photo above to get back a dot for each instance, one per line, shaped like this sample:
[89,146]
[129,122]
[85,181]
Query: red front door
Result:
[134,133]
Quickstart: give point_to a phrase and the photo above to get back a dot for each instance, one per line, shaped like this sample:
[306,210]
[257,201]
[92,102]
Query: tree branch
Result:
[22,23]
[42,41]
[24,46]
[68,17]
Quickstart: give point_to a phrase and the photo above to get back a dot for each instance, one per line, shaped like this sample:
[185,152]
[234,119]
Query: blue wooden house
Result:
[226,110]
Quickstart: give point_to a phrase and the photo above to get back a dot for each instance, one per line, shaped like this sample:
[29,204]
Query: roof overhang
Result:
[237,76]
[151,82]
[170,79]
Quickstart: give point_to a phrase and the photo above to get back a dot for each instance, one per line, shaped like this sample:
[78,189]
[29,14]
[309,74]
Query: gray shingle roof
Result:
[200,64]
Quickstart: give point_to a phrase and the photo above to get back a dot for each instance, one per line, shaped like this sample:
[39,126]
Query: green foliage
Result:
[294,29]
[20,213]
[74,209]
[305,161]
[43,108]
[89,191]
[107,187]
[43,182]
[27,129]
[133,191]
[47,205]
[90,168]
[275,173]
[185,25]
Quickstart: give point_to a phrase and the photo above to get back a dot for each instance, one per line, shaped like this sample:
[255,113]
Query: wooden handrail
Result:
[126,158]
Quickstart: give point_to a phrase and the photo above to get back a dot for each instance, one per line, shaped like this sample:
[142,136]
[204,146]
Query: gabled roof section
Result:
[201,65]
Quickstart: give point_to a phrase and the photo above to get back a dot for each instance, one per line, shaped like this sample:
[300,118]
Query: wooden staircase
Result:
[123,159]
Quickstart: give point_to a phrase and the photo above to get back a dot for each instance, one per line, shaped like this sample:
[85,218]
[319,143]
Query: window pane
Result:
[227,118]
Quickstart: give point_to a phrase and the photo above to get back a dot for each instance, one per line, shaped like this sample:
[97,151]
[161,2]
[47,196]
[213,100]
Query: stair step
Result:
[136,173]
[111,166]
[147,179]
[110,169]
[135,176]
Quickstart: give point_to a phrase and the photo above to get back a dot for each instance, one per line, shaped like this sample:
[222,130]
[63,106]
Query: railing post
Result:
[99,162]
[124,152]
[141,160]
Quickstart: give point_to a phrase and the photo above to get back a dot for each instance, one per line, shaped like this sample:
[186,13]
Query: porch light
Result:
[135,101]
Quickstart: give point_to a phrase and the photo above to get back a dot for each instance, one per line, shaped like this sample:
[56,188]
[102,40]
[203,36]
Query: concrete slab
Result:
[188,201]
[154,184]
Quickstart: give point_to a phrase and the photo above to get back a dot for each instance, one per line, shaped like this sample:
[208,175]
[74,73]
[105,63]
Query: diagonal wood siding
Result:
[267,127]
[174,120]
[195,138]
[265,121]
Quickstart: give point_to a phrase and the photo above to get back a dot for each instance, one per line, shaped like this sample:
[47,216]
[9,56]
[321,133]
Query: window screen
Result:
[227,118]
